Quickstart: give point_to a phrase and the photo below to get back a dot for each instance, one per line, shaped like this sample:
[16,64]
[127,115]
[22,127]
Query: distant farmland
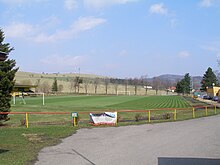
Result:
[66,81]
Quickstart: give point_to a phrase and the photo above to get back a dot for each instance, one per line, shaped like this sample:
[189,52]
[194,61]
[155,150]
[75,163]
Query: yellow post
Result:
[74,121]
[174,115]
[26,120]
[215,110]
[206,111]
[116,118]
[193,111]
[149,116]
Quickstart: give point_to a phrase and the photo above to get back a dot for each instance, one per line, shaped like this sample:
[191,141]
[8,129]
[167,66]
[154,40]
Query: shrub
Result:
[167,116]
[138,117]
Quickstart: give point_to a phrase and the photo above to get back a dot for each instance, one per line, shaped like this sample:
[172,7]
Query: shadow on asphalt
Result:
[187,161]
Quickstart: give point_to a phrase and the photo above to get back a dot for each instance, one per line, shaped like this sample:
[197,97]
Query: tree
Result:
[86,82]
[44,87]
[144,83]
[156,84]
[55,86]
[135,83]
[106,82]
[183,86]
[209,79]
[96,83]
[7,74]
[60,88]
[126,85]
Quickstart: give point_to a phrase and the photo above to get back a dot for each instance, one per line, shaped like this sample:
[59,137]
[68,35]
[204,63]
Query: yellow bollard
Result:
[149,116]
[74,121]
[116,119]
[26,120]
[193,112]
[74,116]
[215,110]
[174,115]
[206,111]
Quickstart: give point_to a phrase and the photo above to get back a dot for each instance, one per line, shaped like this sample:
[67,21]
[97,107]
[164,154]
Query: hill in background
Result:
[66,81]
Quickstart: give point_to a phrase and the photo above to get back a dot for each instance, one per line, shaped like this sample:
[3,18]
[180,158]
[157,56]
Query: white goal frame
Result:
[124,93]
[29,94]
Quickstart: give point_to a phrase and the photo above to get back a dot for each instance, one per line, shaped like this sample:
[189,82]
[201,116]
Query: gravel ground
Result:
[188,142]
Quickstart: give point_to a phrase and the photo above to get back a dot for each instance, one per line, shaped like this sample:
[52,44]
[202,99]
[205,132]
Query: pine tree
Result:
[183,86]
[186,84]
[209,79]
[7,74]
[55,86]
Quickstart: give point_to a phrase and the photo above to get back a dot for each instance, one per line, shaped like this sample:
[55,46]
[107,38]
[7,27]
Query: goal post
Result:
[26,94]
[123,93]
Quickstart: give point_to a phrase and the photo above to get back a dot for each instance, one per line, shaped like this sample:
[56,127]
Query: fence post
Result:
[74,121]
[26,120]
[74,116]
[215,110]
[149,116]
[174,115]
[193,112]
[206,111]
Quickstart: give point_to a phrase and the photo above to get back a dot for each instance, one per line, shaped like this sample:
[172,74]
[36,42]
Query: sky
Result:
[118,38]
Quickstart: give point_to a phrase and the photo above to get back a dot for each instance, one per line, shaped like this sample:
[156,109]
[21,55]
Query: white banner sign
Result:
[104,118]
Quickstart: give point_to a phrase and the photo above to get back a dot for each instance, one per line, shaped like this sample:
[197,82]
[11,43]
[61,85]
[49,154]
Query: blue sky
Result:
[119,38]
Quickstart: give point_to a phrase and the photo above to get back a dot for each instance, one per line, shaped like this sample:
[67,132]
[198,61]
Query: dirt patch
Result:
[34,138]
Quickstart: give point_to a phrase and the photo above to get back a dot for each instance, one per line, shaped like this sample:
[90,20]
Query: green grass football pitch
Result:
[93,103]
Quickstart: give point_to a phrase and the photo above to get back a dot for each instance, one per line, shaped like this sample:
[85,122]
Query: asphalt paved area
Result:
[185,142]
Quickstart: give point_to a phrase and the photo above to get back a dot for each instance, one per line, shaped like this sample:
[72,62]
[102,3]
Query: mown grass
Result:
[20,145]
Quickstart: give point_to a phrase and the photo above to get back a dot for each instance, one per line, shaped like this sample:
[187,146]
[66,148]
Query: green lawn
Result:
[86,103]
[91,104]
[20,145]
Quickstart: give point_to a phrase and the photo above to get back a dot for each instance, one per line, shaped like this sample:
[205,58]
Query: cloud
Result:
[79,26]
[213,47]
[35,33]
[63,60]
[19,30]
[158,8]
[123,53]
[183,54]
[206,3]
[97,4]
[70,4]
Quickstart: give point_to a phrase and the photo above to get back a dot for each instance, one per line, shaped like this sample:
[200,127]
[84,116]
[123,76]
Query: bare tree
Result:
[78,81]
[72,85]
[60,88]
[86,82]
[75,84]
[166,84]
[115,84]
[156,84]
[126,85]
[135,83]
[96,83]
[44,87]
[144,83]
[106,81]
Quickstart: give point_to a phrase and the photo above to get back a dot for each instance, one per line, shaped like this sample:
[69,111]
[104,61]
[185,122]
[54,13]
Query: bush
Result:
[138,117]
[167,116]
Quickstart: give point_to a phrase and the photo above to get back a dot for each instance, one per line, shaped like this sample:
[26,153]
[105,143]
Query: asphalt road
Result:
[188,142]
